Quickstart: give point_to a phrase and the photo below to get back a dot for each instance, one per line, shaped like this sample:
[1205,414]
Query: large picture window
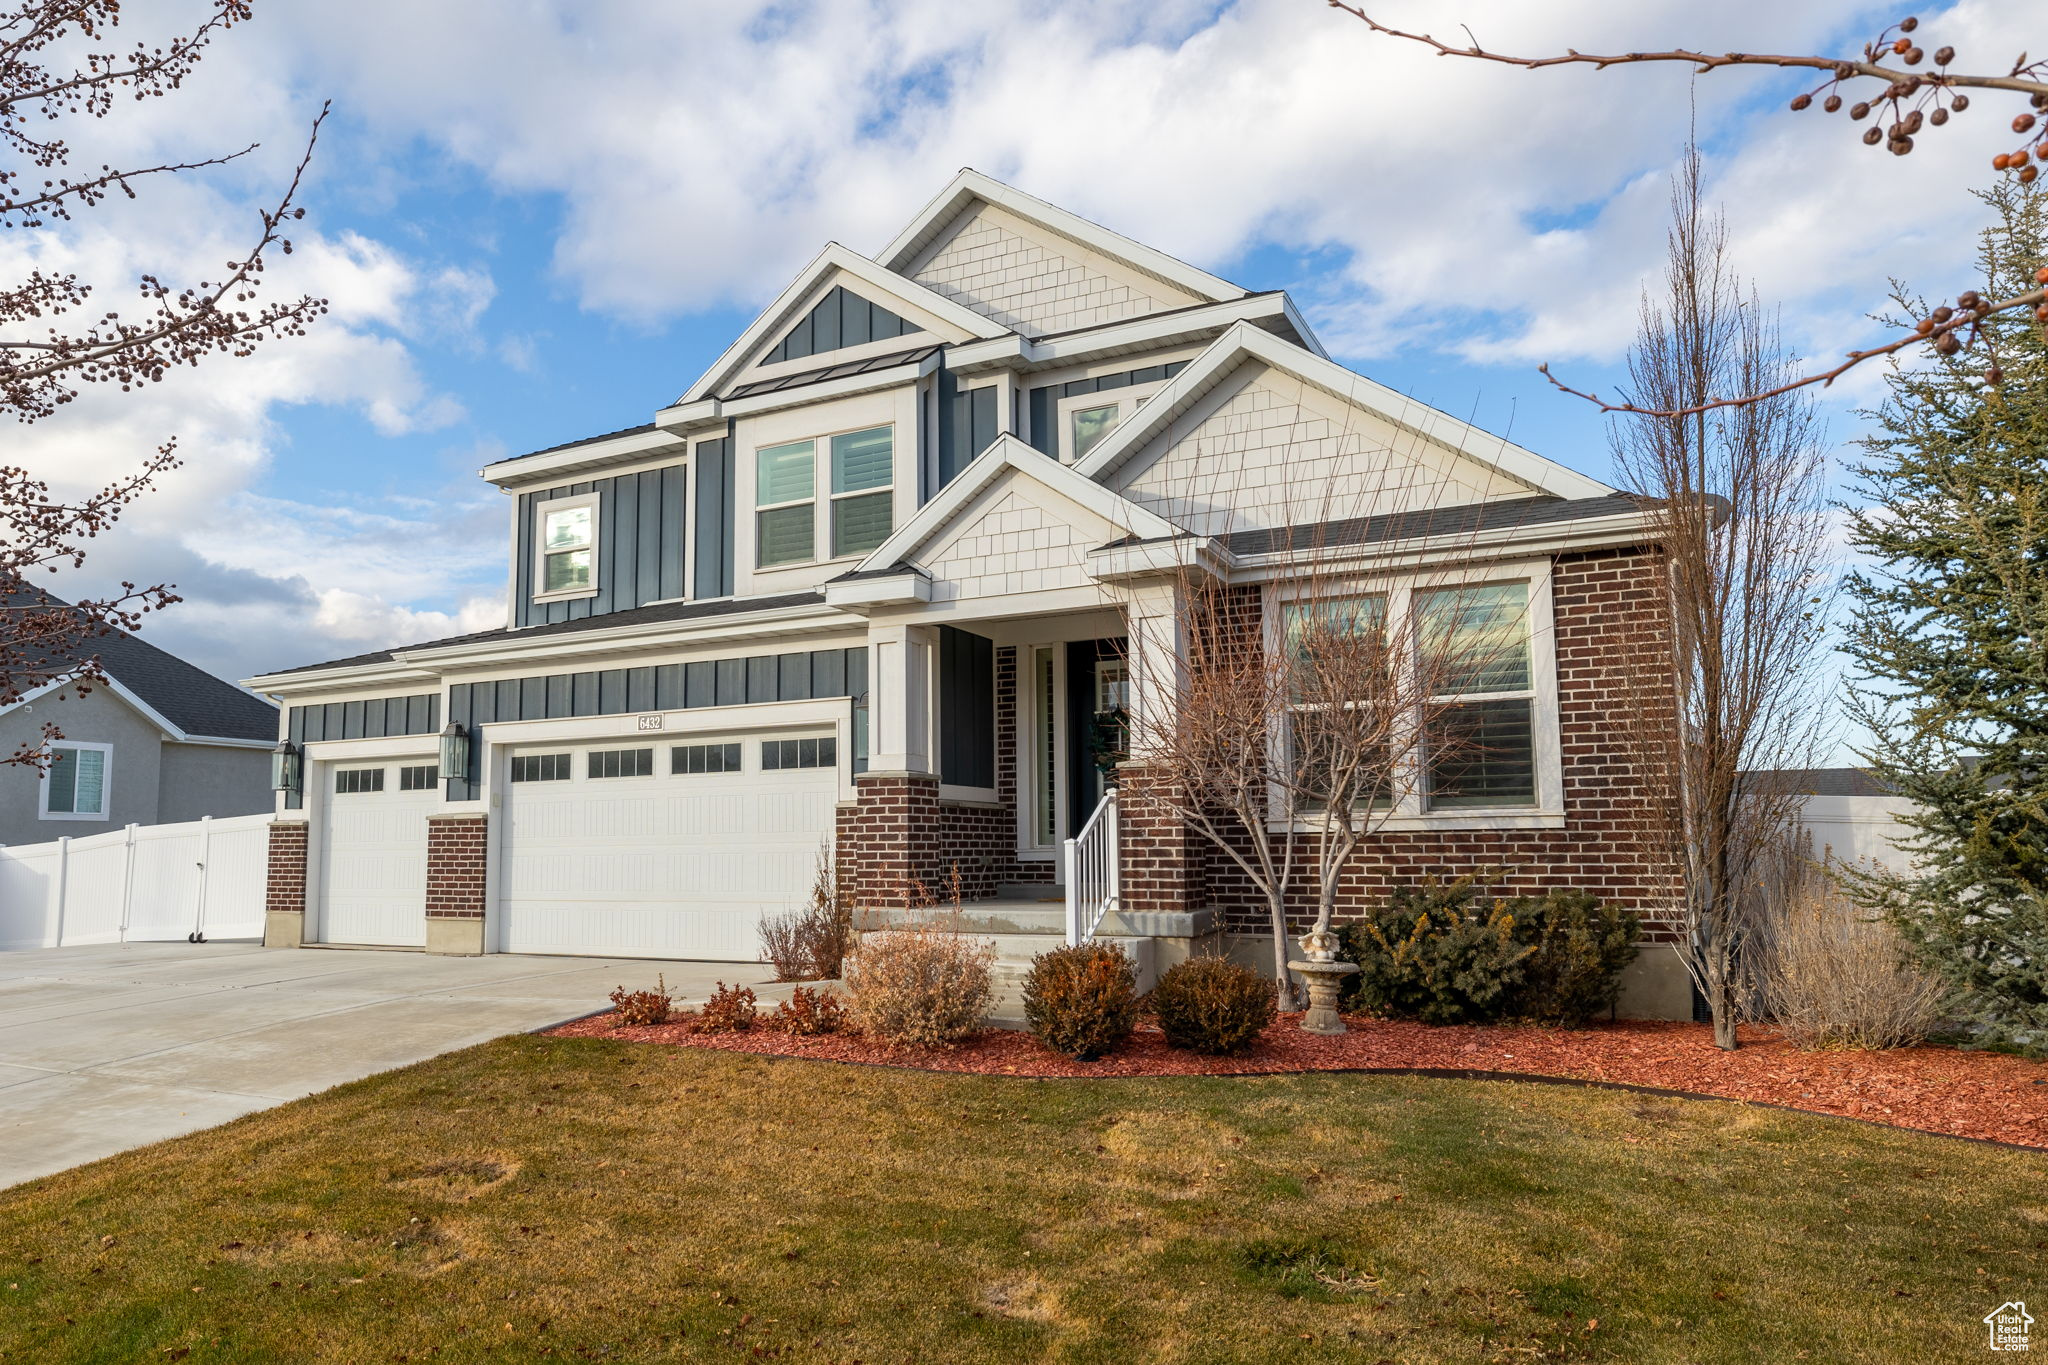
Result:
[859,497]
[1340,698]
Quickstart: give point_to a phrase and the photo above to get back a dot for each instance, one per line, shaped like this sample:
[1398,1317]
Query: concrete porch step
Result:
[1002,916]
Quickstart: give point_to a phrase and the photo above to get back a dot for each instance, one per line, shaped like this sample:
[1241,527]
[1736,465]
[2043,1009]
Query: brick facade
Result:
[456,865]
[1604,612]
[285,886]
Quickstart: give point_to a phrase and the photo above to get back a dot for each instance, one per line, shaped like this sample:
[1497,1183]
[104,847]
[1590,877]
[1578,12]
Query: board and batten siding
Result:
[967,425]
[798,676]
[640,537]
[712,576]
[365,718]
[967,708]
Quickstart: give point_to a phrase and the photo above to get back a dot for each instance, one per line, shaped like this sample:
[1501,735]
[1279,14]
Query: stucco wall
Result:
[134,773]
[206,779]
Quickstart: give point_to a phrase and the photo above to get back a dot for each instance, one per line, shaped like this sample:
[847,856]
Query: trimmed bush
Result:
[807,1013]
[1082,1000]
[639,1008]
[1444,954]
[919,986]
[731,1009]
[1211,1005]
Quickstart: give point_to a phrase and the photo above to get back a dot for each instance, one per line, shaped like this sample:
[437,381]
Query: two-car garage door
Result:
[669,848]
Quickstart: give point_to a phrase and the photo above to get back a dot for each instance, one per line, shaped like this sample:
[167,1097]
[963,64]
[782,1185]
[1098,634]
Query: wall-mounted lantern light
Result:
[284,767]
[454,752]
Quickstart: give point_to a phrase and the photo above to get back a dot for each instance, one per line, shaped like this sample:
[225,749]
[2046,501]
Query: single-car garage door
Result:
[675,848]
[373,852]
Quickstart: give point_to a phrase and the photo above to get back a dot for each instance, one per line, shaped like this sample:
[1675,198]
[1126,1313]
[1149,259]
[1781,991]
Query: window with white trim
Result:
[859,497]
[1481,752]
[358,781]
[1337,646]
[565,547]
[75,784]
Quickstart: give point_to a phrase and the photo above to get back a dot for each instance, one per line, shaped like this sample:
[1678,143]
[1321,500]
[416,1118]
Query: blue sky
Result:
[541,221]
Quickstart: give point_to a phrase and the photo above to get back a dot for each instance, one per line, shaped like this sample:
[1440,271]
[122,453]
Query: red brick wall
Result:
[1604,605]
[284,888]
[897,830]
[455,866]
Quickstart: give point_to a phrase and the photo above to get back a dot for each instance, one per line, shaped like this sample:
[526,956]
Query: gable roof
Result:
[190,700]
[1245,342]
[1007,453]
[841,319]
[971,187]
[783,312]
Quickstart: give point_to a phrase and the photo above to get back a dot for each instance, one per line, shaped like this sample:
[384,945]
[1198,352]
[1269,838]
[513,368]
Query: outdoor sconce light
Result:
[284,767]
[454,752]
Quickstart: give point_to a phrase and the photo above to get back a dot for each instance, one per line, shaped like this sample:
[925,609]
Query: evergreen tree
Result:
[1950,637]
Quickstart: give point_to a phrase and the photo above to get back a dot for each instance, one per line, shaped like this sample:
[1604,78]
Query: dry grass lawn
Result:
[567,1199]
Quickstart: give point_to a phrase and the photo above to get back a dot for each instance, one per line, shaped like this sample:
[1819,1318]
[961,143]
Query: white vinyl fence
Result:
[143,882]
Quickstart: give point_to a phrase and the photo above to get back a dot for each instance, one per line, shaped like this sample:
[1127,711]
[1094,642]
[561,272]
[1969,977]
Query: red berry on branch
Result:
[2022,122]
[1900,146]
[2001,161]
[2041,275]
[1901,45]
[1913,56]
[1872,136]
[1938,117]
[1859,110]
[2028,175]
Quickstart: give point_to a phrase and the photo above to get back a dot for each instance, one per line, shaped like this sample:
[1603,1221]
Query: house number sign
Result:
[650,722]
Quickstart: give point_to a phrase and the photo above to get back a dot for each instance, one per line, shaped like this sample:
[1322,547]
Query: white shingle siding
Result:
[1014,546]
[1267,450]
[1032,286]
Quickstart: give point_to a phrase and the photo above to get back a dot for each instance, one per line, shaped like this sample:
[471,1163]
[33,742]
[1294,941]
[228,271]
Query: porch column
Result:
[1161,859]
[900,698]
[1154,613]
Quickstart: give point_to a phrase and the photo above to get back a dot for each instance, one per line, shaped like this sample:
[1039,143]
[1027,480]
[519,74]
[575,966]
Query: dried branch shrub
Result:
[810,944]
[1212,1006]
[919,986]
[808,1013]
[1081,1000]
[731,1009]
[1835,977]
[638,1008]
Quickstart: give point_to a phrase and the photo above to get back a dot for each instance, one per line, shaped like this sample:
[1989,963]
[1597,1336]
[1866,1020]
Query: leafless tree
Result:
[1292,738]
[1906,100]
[59,63]
[1738,499]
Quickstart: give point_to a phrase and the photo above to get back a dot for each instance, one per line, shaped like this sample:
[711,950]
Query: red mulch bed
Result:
[1983,1095]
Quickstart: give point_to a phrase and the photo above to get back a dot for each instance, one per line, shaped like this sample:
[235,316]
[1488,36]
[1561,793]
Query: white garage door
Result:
[675,848]
[373,853]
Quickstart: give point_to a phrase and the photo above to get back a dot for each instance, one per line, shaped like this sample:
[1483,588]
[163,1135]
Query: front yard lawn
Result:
[574,1199]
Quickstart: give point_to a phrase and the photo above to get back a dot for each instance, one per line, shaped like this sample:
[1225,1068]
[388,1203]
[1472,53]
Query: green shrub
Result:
[1581,946]
[1212,1005]
[1082,1000]
[1444,954]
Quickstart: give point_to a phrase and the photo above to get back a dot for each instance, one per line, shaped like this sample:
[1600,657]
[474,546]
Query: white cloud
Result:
[699,154]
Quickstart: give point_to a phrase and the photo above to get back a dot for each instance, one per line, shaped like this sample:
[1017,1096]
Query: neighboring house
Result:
[159,742]
[868,583]
[1848,815]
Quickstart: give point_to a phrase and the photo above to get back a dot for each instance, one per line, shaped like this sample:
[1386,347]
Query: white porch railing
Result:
[140,882]
[1092,861]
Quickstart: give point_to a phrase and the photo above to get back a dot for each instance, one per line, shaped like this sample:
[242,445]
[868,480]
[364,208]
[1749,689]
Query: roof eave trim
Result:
[1245,341]
[579,457]
[1589,533]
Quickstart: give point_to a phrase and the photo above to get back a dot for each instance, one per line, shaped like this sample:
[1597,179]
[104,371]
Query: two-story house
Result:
[867,586]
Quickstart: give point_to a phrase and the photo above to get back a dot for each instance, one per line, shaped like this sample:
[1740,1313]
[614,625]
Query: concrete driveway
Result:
[111,1047]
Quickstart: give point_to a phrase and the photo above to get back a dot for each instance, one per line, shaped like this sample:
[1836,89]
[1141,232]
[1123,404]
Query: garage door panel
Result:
[373,883]
[668,865]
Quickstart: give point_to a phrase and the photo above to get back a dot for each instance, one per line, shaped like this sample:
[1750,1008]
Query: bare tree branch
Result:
[1914,100]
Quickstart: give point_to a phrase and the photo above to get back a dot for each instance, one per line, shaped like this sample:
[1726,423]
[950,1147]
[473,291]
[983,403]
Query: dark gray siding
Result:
[640,529]
[967,708]
[1044,402]
[376,718]
[713,571]
[657,687]
[967,424]
[840,320]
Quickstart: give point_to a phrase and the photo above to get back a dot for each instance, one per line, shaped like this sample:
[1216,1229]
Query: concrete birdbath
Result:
[1325,977]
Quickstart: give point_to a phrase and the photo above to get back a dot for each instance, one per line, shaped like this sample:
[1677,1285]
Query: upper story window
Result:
[75,785]
[1086,419]
[860,493]
[565,546]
